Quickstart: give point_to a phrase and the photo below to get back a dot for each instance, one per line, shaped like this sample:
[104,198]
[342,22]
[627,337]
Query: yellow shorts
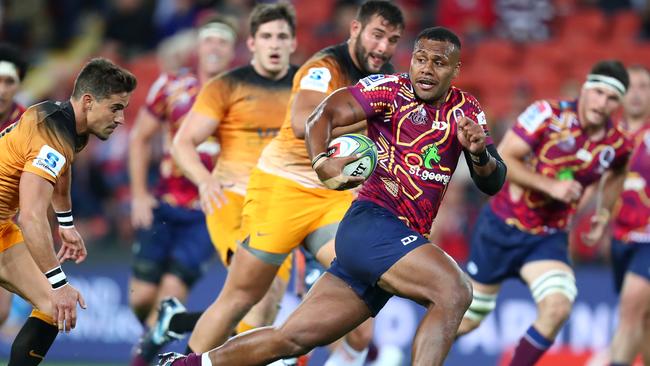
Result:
[224,227]
[10,235]
[280,213]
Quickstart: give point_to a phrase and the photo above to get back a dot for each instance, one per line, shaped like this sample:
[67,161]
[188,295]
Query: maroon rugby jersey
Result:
[417,144]
[13,116]
[169,100]
[560,150]
[632,210]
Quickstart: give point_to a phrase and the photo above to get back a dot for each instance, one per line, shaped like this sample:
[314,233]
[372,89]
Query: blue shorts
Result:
[370,239]
[498,251]
[629,257]
[177,243]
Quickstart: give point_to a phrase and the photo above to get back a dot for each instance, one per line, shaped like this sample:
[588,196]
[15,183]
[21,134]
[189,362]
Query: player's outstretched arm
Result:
[303,105]
[515,151]
[609,189]
[72,244]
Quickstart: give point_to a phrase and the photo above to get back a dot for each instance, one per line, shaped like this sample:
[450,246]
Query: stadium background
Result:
[514,51]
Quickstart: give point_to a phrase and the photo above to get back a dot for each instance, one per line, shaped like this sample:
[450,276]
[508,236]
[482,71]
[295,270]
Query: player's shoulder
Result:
[542,111]
[385,80]
[56,120]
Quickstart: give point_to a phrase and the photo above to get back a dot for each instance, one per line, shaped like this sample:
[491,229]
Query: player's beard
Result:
[362,55]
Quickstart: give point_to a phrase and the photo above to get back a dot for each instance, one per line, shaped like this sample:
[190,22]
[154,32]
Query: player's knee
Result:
[555,309]
[481,306]
[554,293]
[293,343]
[360,337]
[631,312]
[457,293]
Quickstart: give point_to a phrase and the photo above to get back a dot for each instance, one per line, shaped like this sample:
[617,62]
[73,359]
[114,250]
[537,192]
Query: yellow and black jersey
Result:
[43,142]
[249,109]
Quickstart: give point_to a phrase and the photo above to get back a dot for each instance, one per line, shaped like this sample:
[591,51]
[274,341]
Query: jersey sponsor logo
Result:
[408,240]
[376,80]
[428,175]
[429,155]
[317,79]
[49,160]
[534,116]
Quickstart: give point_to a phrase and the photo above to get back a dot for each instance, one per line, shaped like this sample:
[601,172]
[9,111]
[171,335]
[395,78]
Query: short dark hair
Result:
[264,13]
[11,54]
[439,34]
[101,78]
[612,68]
[382,8]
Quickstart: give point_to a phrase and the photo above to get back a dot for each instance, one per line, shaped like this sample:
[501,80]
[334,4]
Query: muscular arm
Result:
[612,187]
[35,197]
[61,200]
[195,129]
[304,104]
[146,126]
[514,151]
[339,110]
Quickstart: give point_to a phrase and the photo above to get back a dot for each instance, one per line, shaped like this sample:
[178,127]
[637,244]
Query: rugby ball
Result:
[353,144]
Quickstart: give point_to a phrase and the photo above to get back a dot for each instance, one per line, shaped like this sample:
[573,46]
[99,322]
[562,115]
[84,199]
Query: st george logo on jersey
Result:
[419,116]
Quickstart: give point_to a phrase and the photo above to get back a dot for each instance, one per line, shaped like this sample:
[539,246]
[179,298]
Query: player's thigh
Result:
[142,293]
[192,253]
[427,274]
[224,226]
[330,310]
[635,298]
[20,274]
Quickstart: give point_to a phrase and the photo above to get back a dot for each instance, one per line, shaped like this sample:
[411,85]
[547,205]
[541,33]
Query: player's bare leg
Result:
[552,285]
[634,313]
[645,351]
[318,320]
[428,276]
[483,302]
[5,305]
[20,274]
[142,297]
[358,339]
[264,312]
[248,280]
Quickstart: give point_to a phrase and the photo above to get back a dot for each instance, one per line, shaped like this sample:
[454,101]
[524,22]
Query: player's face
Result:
[374,43]
[8,89]
[105,115]
[272,46]
[434,65]
[597,104]
[215,54]
[637,98]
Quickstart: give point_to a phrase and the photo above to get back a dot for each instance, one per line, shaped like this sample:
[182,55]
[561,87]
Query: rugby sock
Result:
[531,348]
[184,322]
[344,355]
[32,342]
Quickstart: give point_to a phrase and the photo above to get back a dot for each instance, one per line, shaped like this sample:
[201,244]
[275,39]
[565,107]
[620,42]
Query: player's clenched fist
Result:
[471,135]
[64,305]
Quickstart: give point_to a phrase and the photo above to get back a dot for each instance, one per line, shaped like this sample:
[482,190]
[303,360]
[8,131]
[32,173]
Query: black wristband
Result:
[482,159]
[65,219]
[56,278]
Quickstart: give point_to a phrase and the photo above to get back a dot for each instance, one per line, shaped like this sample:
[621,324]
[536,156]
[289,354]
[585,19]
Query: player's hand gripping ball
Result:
[357,152]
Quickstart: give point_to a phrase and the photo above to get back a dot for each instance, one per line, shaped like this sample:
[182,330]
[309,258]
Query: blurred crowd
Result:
[514,51]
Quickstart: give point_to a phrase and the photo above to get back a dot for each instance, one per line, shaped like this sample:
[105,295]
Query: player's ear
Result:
[88,101]
[355,28]
[250,43]
[456,70]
